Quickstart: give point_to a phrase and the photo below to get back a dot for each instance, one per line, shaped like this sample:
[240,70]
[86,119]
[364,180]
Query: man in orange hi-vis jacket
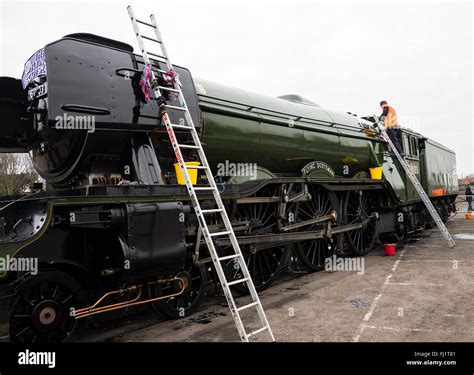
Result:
[389,117]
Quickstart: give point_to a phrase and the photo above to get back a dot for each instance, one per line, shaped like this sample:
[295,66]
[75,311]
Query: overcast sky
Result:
[346,56]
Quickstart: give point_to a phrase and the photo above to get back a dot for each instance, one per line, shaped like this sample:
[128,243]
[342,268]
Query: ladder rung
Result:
[145,23]
[152,39]
[203,188]
[181,126]
[211,211]
[175,107]
[227,257]
[156,55]
[247,306]
[189,146]
[254,333]
[239,281]
[161,71]
[195,166]
[168,89]
[215,234]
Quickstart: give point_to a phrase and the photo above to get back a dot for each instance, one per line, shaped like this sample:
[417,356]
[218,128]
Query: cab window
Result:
[413,146]
[406,143]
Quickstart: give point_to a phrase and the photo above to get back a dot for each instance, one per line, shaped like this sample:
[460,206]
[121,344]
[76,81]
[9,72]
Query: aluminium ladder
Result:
[421,192]
[208,236]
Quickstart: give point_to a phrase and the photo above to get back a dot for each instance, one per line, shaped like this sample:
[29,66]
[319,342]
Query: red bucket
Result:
[390,249]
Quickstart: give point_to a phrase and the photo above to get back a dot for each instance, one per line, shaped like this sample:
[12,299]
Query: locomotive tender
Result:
[113,229]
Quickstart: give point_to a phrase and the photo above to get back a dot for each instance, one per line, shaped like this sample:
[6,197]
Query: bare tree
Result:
[16,173]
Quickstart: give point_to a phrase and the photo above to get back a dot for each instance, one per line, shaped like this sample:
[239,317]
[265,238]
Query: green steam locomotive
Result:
[114,229]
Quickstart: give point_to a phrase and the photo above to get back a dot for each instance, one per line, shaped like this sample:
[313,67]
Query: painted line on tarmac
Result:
[376,300]
[408,260]
[415,284]
[399,329]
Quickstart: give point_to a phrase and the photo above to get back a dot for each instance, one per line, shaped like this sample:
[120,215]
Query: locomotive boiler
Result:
[114,229]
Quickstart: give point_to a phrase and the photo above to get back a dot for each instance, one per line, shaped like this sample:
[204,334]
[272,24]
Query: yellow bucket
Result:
[376,173]
[193,173]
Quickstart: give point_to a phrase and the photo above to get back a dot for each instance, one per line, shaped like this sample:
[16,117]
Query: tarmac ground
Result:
[424,293]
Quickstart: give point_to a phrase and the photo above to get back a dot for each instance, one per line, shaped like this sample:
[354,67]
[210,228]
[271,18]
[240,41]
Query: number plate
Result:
[38,92]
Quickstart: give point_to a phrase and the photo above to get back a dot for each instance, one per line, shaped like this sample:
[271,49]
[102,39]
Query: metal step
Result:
[247,306]
[227,257]
[175,107]
[239,281]
[152,39]
[216,234]
[156,55]
[212,211]
[202,188]
[254,333]
[195,166]
[168,89]
[184,127]
[145,23]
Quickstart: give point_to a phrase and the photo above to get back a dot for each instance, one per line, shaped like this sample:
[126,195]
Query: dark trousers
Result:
[469,203]
[395,135]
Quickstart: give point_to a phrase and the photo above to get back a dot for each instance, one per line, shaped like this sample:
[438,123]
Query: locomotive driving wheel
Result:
[313,253]
[360,207]
[195,279]
[42,309]
[263,263]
